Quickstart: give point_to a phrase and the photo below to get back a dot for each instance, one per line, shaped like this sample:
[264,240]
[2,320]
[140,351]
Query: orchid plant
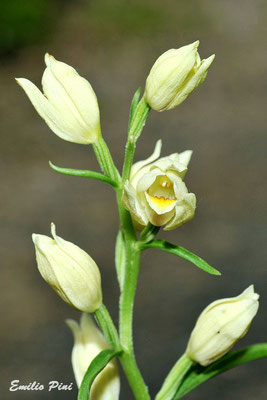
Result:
[150,194]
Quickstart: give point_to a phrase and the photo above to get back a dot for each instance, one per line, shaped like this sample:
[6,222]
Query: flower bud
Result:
[88,343]
[69,270]
[221,325]
[156,192]
[69,104]
[175,74]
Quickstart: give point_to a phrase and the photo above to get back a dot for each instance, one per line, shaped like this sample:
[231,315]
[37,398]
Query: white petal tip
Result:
[74,326]
[34,237]
[249,292]
[210,58]
[21,81]
[158,147]
[53,230]
[207,62]
[195,44]
[48,59]
[70,322]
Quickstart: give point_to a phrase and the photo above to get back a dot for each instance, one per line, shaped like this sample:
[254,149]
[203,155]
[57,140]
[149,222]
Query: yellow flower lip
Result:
[160,204]
[163,201]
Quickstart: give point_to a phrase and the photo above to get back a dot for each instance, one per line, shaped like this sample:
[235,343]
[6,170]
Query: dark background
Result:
[114,44]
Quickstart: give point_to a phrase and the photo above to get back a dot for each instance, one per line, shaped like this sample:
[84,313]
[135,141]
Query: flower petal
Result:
[185,157]
[141,164]
[194,79]
[130,202]
[77,88]
[147,180]
[174,162]
[62,128]
[184,212]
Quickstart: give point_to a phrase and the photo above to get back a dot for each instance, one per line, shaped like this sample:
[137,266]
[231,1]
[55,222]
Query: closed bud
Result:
[69,270]
[221,325]
[69,104]
[156,192]
[175,74]
[88,343]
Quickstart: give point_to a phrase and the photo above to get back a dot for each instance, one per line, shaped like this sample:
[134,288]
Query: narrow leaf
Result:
[134,103]
[83,173]
[139,119]
[120,258]
[198,374]
[96,366]
[181,252]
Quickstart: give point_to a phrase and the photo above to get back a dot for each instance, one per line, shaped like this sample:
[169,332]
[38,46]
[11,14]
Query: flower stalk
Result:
[131,271]
[174,378]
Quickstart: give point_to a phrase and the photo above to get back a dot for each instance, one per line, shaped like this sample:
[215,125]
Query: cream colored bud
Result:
[221,325]
[175,74]
[69,104]
[88,343]
[69,270]
[156,192]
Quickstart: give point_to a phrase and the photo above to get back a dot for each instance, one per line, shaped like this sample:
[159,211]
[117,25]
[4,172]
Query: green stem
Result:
[174,378]
[131,267]
[105,322]
[132,259]
[128,294]
[105,160]
[126,319]
[133,375]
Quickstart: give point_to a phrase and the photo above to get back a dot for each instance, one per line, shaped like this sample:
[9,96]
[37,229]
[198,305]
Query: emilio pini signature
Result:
[15,385]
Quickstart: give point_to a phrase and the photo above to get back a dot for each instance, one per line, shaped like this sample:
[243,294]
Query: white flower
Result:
[88,343]
[69,270]
[221,325]
[175,74]
[69,104]
[156,192]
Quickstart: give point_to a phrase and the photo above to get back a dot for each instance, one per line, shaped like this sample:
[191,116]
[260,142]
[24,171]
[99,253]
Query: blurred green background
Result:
[113,43]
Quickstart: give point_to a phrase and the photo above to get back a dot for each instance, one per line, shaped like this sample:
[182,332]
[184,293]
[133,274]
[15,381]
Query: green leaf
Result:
[84,174]
[96,366]
[139,119]
[134,103]
[107,326]
[181,252]
[198,374]
[138,116]
[120,258]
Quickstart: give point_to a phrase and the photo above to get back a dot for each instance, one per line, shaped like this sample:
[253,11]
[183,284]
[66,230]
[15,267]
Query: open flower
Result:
[69,270]
[221,325]
[69,104]
[156,192]
[175,74]
[88,343]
